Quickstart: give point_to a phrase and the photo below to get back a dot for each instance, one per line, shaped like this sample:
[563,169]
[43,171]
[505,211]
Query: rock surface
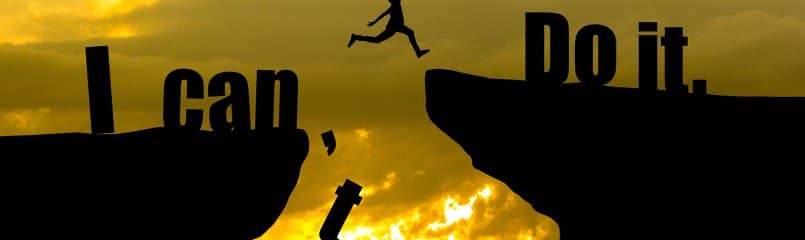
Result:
[606,162]
[152,184]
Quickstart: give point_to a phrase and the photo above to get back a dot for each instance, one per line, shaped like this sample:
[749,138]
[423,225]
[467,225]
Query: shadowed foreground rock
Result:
[151,184]
[607,163]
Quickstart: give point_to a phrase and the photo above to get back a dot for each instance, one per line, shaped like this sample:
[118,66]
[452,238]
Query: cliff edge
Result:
[152,184]
[608,162]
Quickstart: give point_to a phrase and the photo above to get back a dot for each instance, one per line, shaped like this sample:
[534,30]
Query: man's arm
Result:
[372,23]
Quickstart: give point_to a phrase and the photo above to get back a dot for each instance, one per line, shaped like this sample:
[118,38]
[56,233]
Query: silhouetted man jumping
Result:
[394,25]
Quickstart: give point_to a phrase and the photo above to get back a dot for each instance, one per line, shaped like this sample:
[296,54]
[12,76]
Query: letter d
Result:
[535,23]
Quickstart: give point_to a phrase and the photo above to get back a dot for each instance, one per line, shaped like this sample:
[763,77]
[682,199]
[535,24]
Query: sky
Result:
[418,184]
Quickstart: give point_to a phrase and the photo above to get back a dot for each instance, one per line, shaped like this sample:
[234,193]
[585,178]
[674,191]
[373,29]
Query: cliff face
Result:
[608,162]
[151,184]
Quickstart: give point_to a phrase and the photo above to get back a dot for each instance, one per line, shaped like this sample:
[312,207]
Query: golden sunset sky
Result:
[418,184]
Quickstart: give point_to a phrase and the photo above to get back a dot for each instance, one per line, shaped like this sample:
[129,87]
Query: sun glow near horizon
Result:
[449,216]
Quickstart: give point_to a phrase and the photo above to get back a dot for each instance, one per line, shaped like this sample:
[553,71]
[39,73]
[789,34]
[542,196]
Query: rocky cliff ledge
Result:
[152,184]
[606,162]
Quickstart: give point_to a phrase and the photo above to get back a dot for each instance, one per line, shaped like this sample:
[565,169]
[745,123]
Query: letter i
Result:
[647,59]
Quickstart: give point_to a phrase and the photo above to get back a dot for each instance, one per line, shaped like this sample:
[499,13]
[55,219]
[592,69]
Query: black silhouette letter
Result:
[265,99]
[328,138]
[289,92]
[172,99]
[700,87]
[674,40]
[100,90]
[647,58]
[535,47]
[347,196]
[606,55]
[238,99]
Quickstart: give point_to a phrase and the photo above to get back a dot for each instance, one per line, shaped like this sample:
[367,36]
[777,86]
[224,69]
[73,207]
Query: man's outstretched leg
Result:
[386,34]
[410,33]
